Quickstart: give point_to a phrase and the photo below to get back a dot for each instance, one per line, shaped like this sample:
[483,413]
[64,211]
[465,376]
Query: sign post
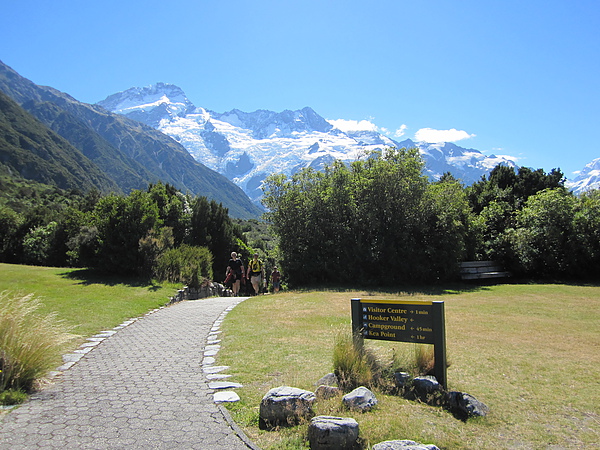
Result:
[390,320]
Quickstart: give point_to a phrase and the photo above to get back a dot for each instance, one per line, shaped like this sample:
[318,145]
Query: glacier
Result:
[248,147]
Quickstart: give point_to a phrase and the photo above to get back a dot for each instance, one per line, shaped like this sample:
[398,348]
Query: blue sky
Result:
[512,77]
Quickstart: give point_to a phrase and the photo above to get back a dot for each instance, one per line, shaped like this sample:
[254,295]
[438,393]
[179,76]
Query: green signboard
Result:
[397,321]
[403,321]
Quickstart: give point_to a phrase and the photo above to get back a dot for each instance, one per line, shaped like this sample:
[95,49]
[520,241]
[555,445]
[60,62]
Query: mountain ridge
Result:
[132,153]
[32,150]
[247,147]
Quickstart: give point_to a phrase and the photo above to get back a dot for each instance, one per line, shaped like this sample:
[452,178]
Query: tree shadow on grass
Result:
[433,289]
[88,277]
[439,289]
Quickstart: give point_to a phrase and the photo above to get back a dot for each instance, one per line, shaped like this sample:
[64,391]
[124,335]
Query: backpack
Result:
[256,266]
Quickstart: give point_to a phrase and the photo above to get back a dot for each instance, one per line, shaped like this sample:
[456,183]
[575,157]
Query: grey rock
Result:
[226,397]
[223,385]
[328,380]
[327,392]
[332,433]
[425,389]
[464,405]
[426,385]
[285,406]
[360,399]
[403,445]
[401,379]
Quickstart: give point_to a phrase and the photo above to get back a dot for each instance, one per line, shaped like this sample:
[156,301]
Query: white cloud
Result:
[365,125]
[435,136]
[400,131]
[353,125]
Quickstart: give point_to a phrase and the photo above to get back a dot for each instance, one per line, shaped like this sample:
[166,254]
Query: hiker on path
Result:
[256,273]
[235,271]
[276,279]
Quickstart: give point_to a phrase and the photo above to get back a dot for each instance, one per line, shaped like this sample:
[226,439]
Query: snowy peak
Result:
[466,164]
[248,147]
[264,124]
[150,104]
[588,178]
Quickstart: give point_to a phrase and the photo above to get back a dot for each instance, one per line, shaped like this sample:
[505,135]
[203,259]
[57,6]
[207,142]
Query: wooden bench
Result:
[476,270]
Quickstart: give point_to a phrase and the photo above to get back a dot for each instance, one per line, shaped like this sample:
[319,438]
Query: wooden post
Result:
[357,326]
[439,346]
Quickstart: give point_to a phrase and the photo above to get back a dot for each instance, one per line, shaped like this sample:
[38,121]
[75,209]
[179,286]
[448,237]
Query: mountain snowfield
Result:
[247,147]
[588,178]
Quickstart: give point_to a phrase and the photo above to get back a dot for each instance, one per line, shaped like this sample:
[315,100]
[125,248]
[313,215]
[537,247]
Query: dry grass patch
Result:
[530,352]
[30,342]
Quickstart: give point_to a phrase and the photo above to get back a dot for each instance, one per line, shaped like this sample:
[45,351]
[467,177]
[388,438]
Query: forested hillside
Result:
[130,153]
[30,149]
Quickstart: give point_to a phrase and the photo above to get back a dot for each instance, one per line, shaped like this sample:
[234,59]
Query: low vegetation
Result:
[528,351]
[30,342]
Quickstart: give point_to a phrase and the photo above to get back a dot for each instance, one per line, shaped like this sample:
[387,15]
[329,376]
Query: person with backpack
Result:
[255,273]
[234,273]
[276,279]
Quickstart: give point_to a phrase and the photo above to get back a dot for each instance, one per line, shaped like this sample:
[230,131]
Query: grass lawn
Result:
[85,301]
[530,352]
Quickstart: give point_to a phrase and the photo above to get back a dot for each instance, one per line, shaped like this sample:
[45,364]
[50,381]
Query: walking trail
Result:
[146,386]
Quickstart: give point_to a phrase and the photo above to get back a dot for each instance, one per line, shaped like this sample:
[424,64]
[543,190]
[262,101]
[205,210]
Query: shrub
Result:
[187,264]
[12,397]
[30,343]
[354,365]
[416,359]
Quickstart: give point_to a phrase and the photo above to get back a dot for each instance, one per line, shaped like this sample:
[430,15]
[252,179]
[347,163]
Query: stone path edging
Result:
[146,387]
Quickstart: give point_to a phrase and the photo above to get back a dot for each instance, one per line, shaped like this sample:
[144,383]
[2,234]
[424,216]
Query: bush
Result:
[416,359]
[12,397]
[186,264]
[30,343]
[354,365]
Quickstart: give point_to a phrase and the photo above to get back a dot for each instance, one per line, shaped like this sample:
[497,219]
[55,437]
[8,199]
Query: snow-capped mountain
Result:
[247,147]
[588,178]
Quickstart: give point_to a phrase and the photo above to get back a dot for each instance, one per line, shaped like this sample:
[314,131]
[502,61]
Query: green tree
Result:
[10,223]
[585,253]
[543,235]
[375,221]
[122,222]
[211,227]
[389,189]
[446,212]
[173,209]
[187,264]
[38,243]
[152,247]
[504,184]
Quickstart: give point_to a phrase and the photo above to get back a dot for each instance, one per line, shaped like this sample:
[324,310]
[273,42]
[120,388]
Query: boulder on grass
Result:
[426,389]
[403,445]
[360,399]
[328,380]
[463,405]
[332,433]
[285,406]
[426,385]
[326,392]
